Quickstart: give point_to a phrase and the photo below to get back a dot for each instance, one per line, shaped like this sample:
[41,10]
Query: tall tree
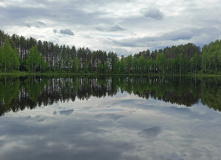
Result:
[186,63]
[76,65]
[9,57]
[141,64]
[129,63]
[15,59]
[35,60]
[69,63]
[180,63]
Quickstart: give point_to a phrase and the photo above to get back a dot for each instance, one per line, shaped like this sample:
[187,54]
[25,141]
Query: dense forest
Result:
[27,92]
[18,53]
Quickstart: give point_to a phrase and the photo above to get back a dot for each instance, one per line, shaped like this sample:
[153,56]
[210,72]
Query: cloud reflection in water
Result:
[116,131]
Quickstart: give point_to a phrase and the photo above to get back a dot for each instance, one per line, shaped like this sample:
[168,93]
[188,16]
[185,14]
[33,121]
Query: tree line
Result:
[30,55]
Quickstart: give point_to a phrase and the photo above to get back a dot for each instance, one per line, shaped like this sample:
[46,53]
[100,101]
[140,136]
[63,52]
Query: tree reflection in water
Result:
[28,92]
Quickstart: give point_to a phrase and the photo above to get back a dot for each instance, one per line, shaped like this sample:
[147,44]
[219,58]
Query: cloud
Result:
[82,140]
[138,22]
[67,113]
[37,24]
[185,34]
[40,24]
[174,37]
[151,132]
[153,13]
[66,31]
[114,117]
[110,28]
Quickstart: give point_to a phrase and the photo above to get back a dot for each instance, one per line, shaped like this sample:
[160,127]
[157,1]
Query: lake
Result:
[110,118]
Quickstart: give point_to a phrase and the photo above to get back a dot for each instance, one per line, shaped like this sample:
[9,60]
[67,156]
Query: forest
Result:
[18,53]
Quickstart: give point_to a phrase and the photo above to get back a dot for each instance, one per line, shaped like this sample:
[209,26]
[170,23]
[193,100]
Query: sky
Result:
[123,26]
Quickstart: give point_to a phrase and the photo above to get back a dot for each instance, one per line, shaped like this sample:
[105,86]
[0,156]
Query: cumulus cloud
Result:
[153,13]
[66,31]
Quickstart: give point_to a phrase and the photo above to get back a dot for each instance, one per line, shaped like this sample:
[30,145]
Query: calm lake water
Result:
[112,118]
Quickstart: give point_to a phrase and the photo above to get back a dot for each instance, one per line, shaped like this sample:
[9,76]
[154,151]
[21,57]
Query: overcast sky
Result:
[123,26]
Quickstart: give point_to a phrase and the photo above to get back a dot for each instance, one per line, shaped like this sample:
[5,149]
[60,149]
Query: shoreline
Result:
[21,74]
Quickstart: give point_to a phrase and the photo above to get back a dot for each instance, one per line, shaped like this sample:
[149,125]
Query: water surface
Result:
[116,118]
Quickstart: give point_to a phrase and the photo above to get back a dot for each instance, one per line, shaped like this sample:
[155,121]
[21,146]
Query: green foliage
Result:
[76,65]
[122,65]
[129,63]
[180,63]
[161,62]
[69,63]
[35,61]
[116,65]
[19,53]
[211,57]
[141,64]
[9,57]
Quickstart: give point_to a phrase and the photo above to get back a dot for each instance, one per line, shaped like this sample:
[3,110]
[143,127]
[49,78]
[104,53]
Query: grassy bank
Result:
[49,74]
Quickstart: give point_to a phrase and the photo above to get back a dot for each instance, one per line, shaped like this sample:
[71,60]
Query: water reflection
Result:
[120,118]
[20,93]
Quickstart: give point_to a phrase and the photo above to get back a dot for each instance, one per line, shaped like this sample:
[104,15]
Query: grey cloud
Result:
[80,141]
[110,116]
[151,132]
[40,24]
[153,13]
[116,27]
[27,25]
[173,156]
[112,28]
[40,118]
[136,42]
[54,11]
[181,34]
[84,16]
[55,31]
[66,31]
[17,15]
[37,24]
[67,113]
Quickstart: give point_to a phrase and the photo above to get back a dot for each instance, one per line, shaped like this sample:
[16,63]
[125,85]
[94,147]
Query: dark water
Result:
[116,118]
